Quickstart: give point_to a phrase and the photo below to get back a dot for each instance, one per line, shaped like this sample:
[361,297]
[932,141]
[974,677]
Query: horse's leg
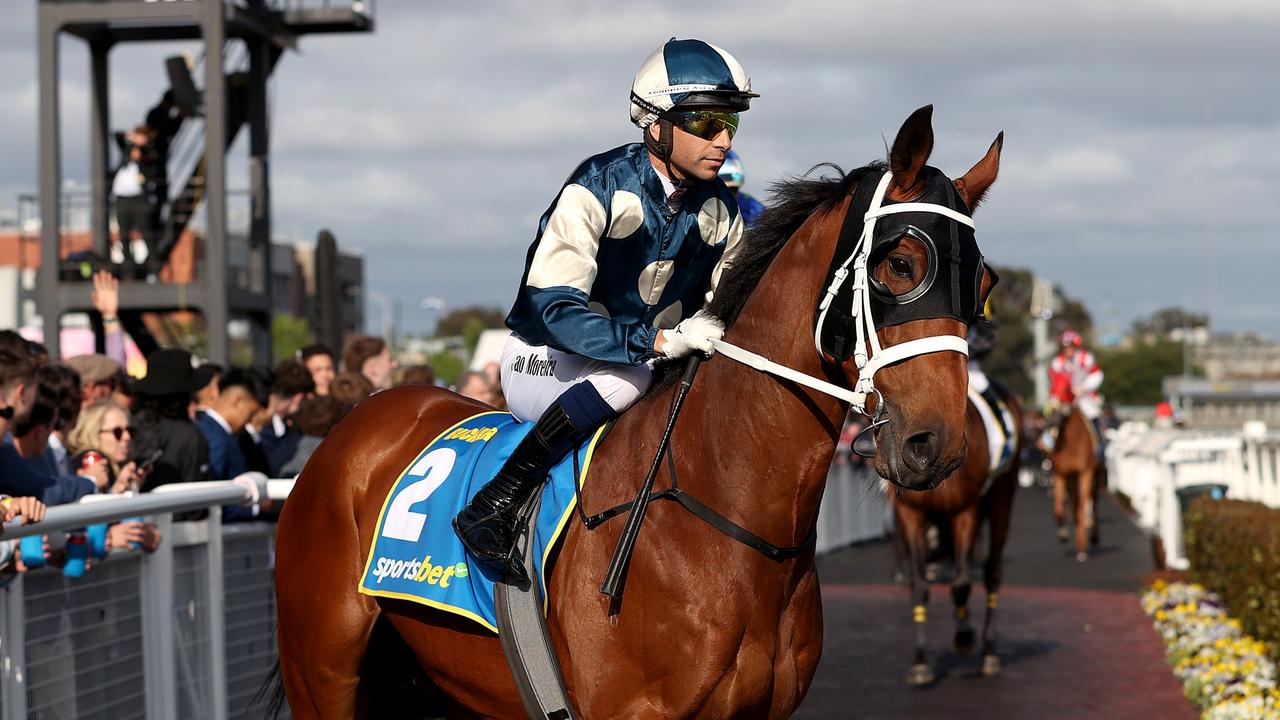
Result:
[1084,513]
[1060,505]
[999,510]
[964,528]
[913,524]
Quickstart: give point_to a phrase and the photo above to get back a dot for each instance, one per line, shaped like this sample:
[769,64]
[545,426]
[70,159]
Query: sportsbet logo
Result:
[418,571]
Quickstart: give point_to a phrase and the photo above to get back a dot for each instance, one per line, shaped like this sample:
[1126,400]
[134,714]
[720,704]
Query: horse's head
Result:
[916,281]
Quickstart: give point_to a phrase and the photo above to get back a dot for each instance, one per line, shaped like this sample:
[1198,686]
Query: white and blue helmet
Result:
[687,74]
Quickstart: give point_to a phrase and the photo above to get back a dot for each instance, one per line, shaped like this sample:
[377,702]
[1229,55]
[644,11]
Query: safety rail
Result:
[187,631]
[1151,466]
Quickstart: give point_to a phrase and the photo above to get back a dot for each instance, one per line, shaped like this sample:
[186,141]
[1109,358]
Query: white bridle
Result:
[868,355]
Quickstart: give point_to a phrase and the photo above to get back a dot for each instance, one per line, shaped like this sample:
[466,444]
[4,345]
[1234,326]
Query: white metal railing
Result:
[1150,466]
[185,632]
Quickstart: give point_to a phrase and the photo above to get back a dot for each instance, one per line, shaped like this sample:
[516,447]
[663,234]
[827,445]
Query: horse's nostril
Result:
[920,450]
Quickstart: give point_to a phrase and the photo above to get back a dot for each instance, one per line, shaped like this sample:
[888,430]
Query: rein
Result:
[697,508]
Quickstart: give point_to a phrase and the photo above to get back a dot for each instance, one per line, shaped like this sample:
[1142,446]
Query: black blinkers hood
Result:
[952,285]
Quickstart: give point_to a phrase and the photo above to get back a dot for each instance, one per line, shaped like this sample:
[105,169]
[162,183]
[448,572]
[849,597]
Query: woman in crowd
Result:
[105,430]
[105,434]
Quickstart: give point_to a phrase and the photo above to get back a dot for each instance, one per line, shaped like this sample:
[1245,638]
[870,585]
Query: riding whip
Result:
[617,571]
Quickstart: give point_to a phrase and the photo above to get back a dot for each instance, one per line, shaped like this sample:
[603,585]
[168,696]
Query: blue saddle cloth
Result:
[415,554]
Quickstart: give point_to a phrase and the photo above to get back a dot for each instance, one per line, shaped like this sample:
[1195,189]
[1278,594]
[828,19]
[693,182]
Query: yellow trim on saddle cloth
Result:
[378,533]
[568,512]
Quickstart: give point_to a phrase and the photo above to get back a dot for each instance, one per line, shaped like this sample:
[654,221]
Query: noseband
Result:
[869,356]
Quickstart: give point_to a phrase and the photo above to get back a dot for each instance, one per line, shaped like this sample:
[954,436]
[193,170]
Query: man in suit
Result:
[278,437]
[241,394]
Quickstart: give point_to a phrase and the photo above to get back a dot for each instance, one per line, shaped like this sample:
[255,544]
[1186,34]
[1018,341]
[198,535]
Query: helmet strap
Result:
[662,148]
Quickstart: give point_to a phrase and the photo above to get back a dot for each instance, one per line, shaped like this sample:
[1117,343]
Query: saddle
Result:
[1002,434]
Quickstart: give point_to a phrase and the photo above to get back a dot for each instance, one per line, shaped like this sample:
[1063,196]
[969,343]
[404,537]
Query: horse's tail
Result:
[272,691]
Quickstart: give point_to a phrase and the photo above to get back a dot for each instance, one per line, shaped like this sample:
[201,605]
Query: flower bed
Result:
[1225,673]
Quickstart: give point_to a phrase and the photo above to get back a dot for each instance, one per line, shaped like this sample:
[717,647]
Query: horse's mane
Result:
[791,203]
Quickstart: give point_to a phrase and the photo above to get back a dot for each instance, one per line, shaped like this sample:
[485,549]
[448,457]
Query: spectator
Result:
[351,388]
[106,428]
[67,385]
[24,468]
[418,375]
[250,436]
[98,375]
[370,356]
[137,185]
[123,392]
[279,436]
[161,412]
[316,417]
[319,361]
[208,395]
[33,352]
[106,299]
[493,371]
[476,385]
[241,393]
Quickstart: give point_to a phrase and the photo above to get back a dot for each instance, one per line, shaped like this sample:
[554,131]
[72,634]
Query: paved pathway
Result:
[1073,641]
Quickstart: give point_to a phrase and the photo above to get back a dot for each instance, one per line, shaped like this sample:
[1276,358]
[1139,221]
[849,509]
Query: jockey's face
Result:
[692,157]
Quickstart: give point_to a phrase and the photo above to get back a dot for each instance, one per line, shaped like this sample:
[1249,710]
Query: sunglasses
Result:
[119,432]
[704,123]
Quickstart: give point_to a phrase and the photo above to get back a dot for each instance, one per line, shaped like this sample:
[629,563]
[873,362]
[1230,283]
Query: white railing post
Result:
[216,616]
[157,625]
[13,651]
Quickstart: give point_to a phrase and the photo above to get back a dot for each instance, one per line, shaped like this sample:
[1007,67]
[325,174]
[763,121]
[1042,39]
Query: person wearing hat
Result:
[624,259]
[97,376]
[161,405]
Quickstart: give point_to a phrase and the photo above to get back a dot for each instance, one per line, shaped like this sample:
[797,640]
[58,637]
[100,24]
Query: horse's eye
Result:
[900,266]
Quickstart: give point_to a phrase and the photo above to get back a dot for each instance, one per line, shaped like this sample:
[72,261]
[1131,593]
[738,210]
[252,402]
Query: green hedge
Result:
[1234,549]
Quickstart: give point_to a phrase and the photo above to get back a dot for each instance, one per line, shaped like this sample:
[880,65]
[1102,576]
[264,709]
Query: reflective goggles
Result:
[704,123]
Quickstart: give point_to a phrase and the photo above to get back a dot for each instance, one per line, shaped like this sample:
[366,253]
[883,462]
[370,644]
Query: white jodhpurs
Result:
[533,376]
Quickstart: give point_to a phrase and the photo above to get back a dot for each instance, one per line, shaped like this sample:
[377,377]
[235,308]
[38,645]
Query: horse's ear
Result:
[975,183]
[910,152]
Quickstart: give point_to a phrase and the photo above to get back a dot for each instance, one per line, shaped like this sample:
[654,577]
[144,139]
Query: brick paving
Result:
[1072,639]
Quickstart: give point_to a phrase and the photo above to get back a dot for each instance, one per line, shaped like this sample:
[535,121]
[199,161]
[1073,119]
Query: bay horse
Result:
[707,628]
[969,498]
[1078,474]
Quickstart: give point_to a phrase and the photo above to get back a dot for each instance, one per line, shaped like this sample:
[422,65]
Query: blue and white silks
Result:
[612,264]
[415,554]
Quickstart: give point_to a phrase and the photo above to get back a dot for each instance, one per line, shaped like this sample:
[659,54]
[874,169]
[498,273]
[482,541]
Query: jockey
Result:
[1074,378]
[733,176]
[625,256]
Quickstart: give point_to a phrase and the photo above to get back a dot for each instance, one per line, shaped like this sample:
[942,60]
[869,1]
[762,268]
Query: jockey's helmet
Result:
[731,171]
[1071,338]
[688,75]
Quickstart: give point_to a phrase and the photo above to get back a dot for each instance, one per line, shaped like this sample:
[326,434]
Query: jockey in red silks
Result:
[1074,379]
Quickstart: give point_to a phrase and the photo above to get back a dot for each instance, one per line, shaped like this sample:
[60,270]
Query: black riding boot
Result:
[487,525]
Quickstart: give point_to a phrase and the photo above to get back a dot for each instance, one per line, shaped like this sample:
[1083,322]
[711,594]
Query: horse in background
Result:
[709,627]
[968,499]
[1078,474]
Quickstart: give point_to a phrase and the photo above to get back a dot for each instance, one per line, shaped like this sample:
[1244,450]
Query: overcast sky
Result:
[1140,169]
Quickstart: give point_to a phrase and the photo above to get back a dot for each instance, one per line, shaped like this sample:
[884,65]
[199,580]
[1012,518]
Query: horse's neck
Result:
[772,440]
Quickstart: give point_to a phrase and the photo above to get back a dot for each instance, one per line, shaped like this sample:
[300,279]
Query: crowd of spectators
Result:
[82,426]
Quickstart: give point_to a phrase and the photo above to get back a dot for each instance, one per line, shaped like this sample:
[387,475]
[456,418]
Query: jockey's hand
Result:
[695,333]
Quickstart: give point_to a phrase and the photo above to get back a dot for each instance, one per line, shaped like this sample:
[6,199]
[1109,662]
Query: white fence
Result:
[189,630]
[1151,466]
[185,632]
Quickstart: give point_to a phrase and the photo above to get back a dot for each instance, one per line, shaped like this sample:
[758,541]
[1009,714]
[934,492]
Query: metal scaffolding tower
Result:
[266,28]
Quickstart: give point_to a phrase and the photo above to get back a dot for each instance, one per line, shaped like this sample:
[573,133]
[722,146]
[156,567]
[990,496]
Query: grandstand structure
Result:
[242,41]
